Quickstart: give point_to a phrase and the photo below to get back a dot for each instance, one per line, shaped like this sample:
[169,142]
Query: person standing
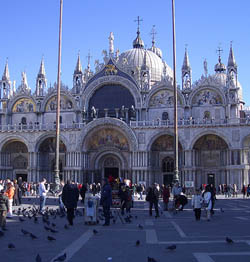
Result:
[196,204]
[70,196]
[42,194]
[106,200]
[166,196]
[244,190]
[207,201]
[4,207]
[153,198]
[83,191]
[17,195]
[10,191]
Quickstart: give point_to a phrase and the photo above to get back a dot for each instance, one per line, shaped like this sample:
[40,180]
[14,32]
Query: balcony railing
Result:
[133,124]
[191,122]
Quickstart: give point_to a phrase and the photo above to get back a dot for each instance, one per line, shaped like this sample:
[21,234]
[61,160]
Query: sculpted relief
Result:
[163,98]
[207,97]
[108,138]
[24,105]
[65,104]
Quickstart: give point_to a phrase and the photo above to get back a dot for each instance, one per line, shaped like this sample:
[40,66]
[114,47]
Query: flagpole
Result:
[57,153]
[176,170]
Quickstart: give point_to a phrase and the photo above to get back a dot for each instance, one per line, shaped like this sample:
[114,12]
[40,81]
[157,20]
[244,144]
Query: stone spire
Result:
[41,81]
[24,80]
[186,63]
[186,72]
[6,74]
[231,60]
[78,68]
[42,68]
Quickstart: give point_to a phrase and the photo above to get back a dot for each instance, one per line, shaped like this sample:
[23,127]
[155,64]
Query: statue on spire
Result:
[205,67]
[111,43]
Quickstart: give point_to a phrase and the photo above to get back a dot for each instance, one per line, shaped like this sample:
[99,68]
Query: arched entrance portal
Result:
[210,153]
[162,159]
[46,164]
[14,159]
[168,170]
[108,151]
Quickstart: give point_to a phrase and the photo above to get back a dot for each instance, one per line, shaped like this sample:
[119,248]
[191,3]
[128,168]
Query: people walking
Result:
[10,191]
[196,204]
[207,201]
[106,200]
[42,195]
[70,196]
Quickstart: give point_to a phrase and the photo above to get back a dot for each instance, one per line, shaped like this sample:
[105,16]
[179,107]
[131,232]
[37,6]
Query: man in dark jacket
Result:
[153,198]
[70,196]
[4,207]
[106,200]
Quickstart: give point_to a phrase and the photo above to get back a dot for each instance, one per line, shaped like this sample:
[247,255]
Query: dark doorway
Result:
[23,176]
[168,179]
[111,171]
[210,179]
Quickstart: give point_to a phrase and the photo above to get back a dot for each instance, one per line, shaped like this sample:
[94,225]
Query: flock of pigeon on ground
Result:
[32,213]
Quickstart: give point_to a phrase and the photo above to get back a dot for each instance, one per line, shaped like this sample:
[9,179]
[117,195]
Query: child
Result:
[196,204]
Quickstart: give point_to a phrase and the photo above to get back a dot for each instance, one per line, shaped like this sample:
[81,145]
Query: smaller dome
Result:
[220,67]
[156,50]
[138,43]
[220,78]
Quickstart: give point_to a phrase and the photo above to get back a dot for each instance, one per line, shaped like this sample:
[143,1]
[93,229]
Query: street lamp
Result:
[176,168]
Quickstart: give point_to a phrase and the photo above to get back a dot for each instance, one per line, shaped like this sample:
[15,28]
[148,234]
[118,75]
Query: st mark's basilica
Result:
[118,120]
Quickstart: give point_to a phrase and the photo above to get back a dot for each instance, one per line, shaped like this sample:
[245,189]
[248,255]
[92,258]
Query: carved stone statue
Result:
[111,43]
[205,67]
[93,112]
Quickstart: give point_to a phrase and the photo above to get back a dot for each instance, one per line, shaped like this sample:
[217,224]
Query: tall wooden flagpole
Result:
[57,177]
[176,170]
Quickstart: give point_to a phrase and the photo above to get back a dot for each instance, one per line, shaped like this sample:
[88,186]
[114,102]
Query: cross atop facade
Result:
[153,33]
[219,51]
[138,20]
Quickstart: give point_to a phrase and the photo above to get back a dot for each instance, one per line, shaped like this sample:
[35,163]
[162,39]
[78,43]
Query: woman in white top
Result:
[196,204]
[208,201]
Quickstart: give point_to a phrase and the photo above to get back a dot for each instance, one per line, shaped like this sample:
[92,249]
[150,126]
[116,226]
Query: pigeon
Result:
[53,225]
[229,240]
[221,210]
[95,231]
[21,219]
[1,233]
[151,259]
[53,230]
[11,246]
[172,247]
[51,238]
[38,258]
[47,228]
[25,232]
[61,258]
[138,243]
[33,236]
[66,226]
[140,226]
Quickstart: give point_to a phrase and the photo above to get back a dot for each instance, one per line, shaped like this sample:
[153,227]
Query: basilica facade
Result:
[118,120]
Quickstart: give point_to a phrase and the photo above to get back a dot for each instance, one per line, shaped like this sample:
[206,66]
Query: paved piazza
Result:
[196,241]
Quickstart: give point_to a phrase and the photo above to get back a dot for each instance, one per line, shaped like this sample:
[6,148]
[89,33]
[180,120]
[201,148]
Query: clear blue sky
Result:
[29,30]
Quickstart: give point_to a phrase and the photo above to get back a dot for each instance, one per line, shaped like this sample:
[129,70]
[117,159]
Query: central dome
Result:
[138,59]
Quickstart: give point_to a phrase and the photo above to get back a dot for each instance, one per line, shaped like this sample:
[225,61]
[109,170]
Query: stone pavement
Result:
[201,241]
